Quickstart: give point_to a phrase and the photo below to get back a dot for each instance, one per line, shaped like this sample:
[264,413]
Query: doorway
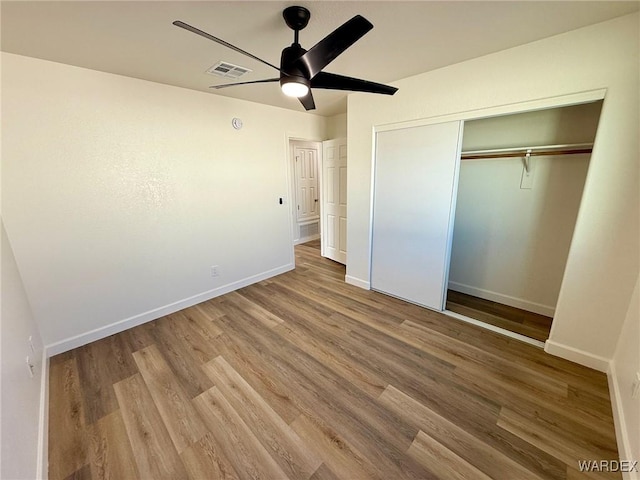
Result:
[305,158]
[319,193]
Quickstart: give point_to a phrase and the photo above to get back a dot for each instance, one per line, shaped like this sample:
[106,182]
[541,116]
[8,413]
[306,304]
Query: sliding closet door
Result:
[414,202]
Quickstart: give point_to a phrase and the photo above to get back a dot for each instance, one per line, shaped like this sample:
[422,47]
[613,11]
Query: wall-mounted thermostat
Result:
[237,123]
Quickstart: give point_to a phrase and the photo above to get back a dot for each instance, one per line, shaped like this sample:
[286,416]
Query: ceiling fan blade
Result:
[327,49]
[307,101]
[266,80]
[332,81]
[206,35]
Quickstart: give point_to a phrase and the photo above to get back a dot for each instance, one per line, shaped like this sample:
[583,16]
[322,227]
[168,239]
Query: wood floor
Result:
[526,323]
[304,377]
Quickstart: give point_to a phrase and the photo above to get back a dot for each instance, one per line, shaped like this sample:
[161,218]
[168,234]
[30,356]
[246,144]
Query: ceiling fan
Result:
[300,69]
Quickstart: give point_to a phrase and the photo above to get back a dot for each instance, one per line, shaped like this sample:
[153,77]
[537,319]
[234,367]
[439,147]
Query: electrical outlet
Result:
[215,272]
[635,389]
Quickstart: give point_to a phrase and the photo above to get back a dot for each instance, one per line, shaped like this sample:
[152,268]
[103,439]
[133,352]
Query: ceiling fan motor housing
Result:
[291,67]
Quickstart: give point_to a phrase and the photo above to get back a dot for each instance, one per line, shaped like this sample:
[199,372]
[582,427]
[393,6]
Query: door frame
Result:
[520,107]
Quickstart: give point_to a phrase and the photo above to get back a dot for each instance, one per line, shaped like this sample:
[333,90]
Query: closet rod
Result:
[519,152]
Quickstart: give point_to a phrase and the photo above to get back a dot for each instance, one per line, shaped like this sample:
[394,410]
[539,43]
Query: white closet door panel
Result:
[415,177]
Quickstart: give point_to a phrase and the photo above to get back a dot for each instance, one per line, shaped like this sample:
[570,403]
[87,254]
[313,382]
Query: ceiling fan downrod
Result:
[296,19]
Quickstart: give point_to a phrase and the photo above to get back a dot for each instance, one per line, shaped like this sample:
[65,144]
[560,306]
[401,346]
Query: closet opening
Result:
[520,185]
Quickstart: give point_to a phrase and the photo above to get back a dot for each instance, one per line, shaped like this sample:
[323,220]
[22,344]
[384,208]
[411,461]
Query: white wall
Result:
[510,244]
[603,264]
[120,194]
[337,126]
[554,126]
[625,366]
[20,398]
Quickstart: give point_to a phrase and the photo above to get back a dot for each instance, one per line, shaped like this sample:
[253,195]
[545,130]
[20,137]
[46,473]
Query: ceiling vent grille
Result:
[228,70]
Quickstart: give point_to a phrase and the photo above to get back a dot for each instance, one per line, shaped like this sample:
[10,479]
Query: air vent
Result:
[228,70]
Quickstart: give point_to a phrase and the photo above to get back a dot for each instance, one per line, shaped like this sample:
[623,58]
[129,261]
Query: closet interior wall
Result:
[512,237]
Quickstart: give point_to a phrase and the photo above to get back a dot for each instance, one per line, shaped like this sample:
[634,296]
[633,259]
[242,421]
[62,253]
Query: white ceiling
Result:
[137,39]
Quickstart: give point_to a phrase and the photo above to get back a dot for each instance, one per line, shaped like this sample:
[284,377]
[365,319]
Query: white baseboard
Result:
[127,323]
[527,305]
[43,420]
[357,282]
[576,355]
[622,435]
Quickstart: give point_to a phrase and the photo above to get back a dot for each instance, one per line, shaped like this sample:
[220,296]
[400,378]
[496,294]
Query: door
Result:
[306,171]
[334,200]
[305,157]
[414,195]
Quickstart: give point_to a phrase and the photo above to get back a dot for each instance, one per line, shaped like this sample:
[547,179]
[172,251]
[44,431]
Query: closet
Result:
[478,221]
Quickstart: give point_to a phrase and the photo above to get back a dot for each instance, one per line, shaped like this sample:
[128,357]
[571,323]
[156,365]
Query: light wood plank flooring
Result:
[304,377]
[526,323]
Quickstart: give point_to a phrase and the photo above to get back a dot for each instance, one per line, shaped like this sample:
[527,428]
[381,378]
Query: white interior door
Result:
[334,200]
[306,175]
[414,205]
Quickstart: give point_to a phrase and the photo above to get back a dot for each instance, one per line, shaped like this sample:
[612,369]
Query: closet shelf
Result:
[519,152]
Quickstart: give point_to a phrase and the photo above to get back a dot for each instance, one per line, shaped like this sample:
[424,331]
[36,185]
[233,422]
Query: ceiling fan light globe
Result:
[295,89]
